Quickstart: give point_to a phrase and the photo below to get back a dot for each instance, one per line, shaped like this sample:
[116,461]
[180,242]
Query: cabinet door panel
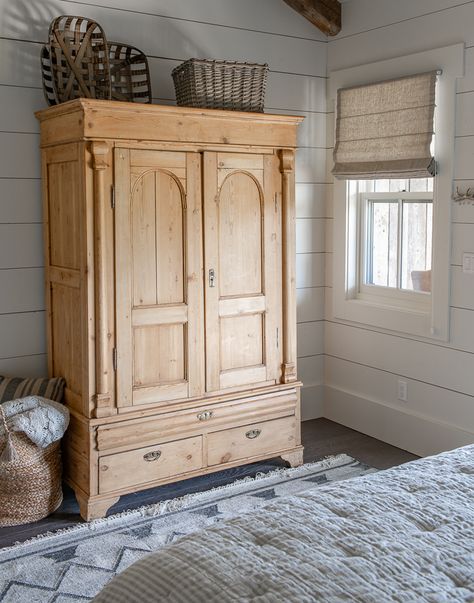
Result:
[144,240]
[170,243]
[159,287]
[241,341]
[243,267]
[240,236]
[163,361]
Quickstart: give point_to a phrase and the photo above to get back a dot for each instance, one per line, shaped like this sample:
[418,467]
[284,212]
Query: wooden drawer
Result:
[251,440]
[126,469]
[193,421]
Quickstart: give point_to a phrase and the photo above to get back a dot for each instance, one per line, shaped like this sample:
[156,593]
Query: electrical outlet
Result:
[402,390]
[468,263]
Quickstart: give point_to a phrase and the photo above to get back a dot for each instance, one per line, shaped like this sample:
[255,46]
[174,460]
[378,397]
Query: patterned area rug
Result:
[75,564]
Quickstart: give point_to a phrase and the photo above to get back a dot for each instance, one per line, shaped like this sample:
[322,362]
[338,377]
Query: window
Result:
[395,239]
[391,235]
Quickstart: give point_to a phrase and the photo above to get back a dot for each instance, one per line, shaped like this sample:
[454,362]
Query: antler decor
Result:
[464,198]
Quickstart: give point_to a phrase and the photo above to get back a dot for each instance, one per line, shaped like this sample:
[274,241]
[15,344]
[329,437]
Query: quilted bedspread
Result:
[405,535]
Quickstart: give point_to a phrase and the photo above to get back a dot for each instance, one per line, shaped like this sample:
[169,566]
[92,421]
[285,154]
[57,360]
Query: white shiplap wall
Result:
[168,31]
[362,366]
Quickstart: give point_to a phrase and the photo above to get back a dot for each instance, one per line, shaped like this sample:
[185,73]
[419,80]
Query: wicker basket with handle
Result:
[30,479]
[212,84]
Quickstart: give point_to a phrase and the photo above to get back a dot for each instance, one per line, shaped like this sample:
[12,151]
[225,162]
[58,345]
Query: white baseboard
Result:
[418,434]
[312,402]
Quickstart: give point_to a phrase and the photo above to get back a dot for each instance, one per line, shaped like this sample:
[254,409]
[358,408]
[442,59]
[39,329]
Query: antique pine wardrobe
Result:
[170,270]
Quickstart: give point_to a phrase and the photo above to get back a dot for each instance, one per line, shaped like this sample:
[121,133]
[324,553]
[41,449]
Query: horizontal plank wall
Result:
[168,31]
[362,366]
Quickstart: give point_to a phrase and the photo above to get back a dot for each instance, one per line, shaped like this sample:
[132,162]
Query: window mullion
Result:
[399,243]
[389,233]
[366,243]
[426,235]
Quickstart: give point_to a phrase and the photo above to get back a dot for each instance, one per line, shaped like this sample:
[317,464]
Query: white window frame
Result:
[431,320]
[395,296]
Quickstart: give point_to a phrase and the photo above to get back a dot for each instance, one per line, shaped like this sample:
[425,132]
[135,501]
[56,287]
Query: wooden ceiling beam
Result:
[325,14]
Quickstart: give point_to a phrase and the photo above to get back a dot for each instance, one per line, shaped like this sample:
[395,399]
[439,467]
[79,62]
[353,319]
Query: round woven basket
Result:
[30,485]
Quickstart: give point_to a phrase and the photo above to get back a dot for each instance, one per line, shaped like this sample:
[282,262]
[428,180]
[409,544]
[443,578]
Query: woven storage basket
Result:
[48,88]
[74,64]
[79,59]
[220,85]
[129,74]
[30,485]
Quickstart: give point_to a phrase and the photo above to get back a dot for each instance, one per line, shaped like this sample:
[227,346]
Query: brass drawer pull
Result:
[253,433]
[206,415]
[154,455]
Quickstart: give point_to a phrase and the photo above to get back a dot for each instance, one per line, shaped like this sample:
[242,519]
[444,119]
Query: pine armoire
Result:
[170,279]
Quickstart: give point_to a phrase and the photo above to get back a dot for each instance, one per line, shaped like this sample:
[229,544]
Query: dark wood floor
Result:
[321,438]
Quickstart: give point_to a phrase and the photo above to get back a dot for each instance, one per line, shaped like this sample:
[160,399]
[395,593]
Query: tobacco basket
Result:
[129,74]
[79,59]
[48,88]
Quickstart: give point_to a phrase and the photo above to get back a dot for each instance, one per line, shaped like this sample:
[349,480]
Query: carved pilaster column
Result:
[100,163]
[287,169]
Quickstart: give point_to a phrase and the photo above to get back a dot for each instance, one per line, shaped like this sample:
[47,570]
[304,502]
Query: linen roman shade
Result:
[384,130]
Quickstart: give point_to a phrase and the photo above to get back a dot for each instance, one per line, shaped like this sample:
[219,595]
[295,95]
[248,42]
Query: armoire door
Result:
[158,254]
[242,269]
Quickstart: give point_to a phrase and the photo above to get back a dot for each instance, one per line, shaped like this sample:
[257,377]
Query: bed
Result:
[405,535]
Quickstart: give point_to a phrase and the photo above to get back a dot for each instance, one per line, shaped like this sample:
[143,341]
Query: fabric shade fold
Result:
[385,129]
